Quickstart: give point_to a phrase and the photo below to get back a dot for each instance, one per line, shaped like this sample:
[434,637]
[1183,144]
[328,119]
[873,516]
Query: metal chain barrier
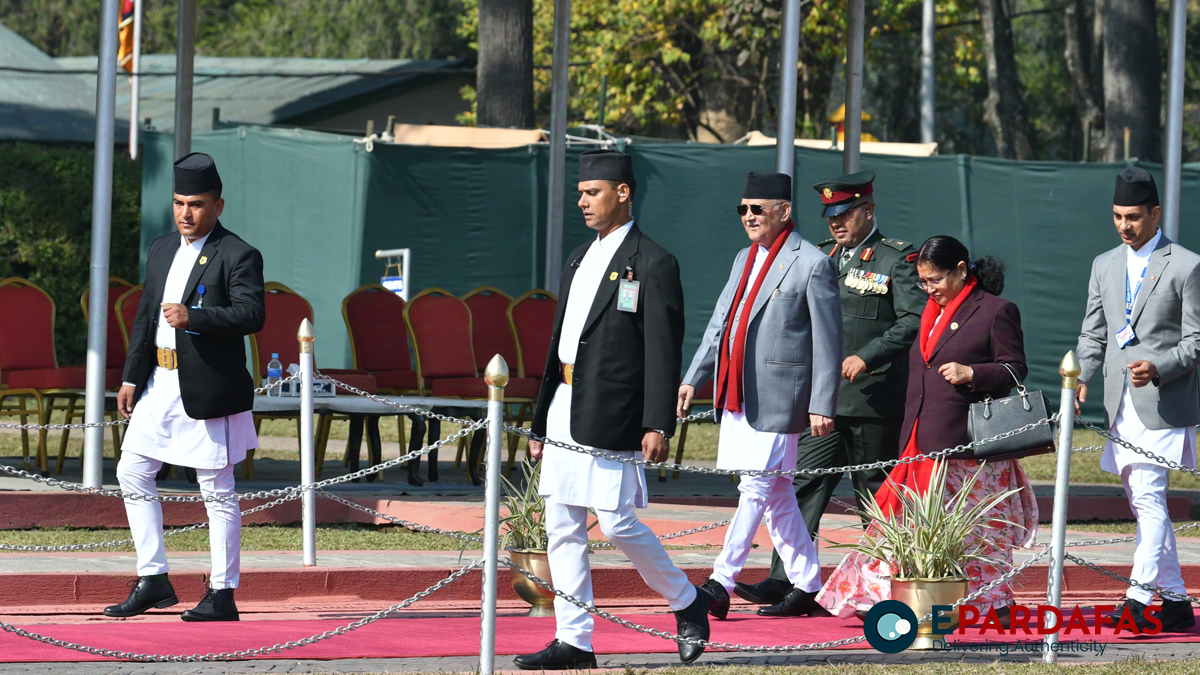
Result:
[1130,446]
[630,459]
[1113,575]
[402,407]
[116,423]
[732,647]
[416,527]
[261,494]
[243,654]
[30,548]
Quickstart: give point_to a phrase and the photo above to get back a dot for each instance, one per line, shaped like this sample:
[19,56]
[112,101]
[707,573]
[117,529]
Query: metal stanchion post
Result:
[1066,430]
[496,376]
[308,502]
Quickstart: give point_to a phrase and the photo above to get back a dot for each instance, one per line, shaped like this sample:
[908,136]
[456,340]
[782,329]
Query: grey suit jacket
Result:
[793,359]
[1166,320]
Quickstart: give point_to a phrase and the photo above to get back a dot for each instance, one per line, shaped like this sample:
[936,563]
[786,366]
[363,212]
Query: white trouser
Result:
[1155,561]
[566,528]
[136,474]
[775,497]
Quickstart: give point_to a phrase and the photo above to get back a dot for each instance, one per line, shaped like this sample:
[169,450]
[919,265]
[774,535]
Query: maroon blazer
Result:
[988,334]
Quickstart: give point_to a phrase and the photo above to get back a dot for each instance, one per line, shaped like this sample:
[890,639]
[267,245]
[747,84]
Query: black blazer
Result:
[213,379]
[627,369]
[984,333]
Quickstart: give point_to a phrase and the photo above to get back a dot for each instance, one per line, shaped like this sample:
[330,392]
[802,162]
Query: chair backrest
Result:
[114,346]
[491,333]
[125,308]
[285,310]
[531,317]
[378,336]
[27,328]
[440,326]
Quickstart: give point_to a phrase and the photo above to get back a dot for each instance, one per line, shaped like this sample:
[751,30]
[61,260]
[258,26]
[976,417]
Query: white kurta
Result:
[1171,443]
[160,427]
[570,477]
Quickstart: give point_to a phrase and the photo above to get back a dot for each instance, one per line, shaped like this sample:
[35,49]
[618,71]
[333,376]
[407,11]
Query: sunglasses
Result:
[756,209]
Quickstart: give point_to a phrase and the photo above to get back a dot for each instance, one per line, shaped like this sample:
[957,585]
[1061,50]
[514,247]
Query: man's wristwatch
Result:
[662,433]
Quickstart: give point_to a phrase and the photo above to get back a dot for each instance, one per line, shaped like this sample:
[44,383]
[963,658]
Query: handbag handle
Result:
[1021,391]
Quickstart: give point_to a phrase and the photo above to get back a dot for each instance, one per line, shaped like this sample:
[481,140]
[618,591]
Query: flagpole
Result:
[134,127]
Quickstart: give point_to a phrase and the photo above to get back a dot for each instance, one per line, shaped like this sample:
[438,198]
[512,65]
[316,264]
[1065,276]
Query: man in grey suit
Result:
[1142,330]
[774,347]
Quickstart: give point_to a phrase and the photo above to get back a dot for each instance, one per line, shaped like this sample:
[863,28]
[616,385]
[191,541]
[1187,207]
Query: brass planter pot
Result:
[538,563]
[921,595]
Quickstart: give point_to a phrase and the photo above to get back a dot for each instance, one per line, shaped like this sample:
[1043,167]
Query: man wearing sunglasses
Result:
[773,349]
[881,314]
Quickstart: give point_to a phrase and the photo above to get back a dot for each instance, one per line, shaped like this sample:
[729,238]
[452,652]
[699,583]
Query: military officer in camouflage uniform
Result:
[881,314]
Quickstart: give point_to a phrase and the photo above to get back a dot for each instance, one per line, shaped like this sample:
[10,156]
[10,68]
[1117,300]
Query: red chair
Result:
[114,367]
[374,319]
[441,329]
[285,310]
[125,308]
[492,334]
[29,367]
[531,321]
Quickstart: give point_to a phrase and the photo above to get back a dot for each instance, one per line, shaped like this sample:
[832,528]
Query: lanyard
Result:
[1129,297]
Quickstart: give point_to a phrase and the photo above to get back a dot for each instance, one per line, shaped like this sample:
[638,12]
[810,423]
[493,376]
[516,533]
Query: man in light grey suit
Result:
[774,347]
[1142,330]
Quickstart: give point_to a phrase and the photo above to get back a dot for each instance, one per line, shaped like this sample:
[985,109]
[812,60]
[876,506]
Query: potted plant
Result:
[925,544]
[523,535]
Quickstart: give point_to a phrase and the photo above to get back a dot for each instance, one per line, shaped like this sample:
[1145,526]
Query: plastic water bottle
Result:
[274,375]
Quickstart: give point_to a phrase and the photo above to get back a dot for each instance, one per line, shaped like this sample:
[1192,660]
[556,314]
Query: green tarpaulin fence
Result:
[319,205]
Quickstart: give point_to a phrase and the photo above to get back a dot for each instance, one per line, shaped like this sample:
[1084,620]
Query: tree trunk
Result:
[1005,104]
[1096,62]
[1132,80]
[1077,55]
[504,76]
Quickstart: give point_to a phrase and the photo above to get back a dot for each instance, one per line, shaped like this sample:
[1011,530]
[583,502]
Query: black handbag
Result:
[992,417]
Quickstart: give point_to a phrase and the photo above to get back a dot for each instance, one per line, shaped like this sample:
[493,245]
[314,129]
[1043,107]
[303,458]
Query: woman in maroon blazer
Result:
[967,336]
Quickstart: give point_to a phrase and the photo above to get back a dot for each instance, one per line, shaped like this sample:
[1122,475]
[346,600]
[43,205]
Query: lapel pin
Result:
[780,265]
[954,326]
[203,259]
[612,277]
[1151,277]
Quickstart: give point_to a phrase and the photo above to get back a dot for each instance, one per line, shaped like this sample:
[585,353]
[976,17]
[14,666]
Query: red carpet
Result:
[411,637]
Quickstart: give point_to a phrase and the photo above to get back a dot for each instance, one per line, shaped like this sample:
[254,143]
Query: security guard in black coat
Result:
[881,314]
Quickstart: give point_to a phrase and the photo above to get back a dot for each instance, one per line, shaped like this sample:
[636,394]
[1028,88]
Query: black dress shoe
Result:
[692,622]
[1136,610]
[557,655]
[1177,615]
[766,592]
[216,605]
[796,603]
[150,592]
[718,605]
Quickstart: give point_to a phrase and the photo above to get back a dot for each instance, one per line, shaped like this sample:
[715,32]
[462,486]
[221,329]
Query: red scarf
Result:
[729,371]
[917,475]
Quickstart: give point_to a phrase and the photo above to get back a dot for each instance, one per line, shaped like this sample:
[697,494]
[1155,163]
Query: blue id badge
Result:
[1125,336]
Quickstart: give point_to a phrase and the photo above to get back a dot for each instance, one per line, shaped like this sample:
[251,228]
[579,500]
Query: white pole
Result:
[135,80]
[102,180]
[855,27]
[928,74]
[785,137]
[496,376]
[1062,480]
[406,274]
[308,502]
[556,195]
[1174,131]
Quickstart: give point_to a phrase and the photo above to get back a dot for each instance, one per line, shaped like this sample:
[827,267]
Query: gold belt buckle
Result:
[568,374]
[168,358]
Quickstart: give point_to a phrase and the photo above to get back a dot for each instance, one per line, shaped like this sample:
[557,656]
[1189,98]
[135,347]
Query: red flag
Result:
[125,36]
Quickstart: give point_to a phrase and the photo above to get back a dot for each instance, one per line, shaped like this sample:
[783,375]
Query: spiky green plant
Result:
[927,538]
[524,528]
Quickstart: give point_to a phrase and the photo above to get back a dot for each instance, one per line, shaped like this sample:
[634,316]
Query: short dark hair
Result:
[945,253]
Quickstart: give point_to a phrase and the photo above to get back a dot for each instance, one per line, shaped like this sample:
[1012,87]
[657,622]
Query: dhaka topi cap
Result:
[1135,187]
[607,165]
[763,185]
[196,174]
[839,194]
